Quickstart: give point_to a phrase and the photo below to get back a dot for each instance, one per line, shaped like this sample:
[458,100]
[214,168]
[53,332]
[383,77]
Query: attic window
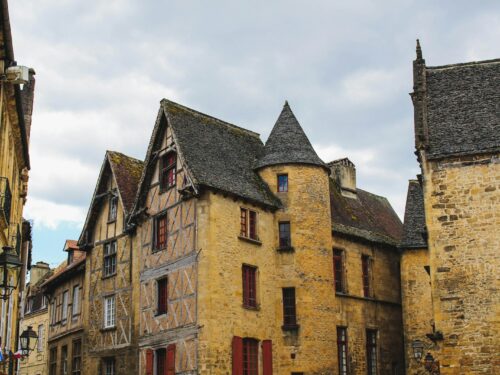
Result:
[113,208]
[70,256]
[168,164]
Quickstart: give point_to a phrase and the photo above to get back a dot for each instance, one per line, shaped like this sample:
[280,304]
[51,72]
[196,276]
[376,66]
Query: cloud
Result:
[49,214]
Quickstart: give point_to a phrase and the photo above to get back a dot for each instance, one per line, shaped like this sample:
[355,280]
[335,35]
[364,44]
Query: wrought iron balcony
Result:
[5,201]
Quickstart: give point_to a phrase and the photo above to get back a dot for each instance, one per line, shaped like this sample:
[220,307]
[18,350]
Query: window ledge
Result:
[165,189]
[108,276]
[286,249]
[111,221]
[160,314]
[251,240]
[290,328]
[252,308]
[107,329]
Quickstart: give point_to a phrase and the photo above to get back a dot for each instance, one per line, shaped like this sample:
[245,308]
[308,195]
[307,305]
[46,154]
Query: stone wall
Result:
[462,215]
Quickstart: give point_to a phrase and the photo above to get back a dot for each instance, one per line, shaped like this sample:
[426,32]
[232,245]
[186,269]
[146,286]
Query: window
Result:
[365,264]
[249,286]
[76,300]
[29,305]
[248,224]
[160,232]
[162,296]
[289,309]
[109,312]
[167,171]
[77,358]
[338,270]
[113,208]
[285,238]
[70,256]
[64,360]
[65,301]
[44,302]
[342,349]
[53,313]
[282,183]
[41,338]
[161,361]
[109,366]
[371,351]
[53,361]
[250,357]
[109,258]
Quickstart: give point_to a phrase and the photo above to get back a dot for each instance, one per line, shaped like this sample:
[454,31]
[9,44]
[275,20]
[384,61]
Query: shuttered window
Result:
[162,296]
[248,224]
[149,362]
[161,361]
[249,286]
[237,355]
[168,171]
[267,357]
[342,349]
[171,359]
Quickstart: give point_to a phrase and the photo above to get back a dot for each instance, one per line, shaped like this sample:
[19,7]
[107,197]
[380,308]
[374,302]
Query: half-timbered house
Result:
[110,327]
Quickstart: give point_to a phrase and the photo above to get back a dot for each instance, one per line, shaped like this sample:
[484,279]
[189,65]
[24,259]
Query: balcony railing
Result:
[5,200]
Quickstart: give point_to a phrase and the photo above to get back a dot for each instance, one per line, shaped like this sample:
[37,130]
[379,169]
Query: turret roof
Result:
[288,144]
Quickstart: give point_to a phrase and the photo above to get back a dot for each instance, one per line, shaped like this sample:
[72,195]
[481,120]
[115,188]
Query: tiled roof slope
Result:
[65,270]
[414,226]
[463,110]
[219,155]
[369,216]
[288,144]
[127,171]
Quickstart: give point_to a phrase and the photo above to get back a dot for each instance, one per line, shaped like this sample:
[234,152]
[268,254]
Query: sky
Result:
[102,67]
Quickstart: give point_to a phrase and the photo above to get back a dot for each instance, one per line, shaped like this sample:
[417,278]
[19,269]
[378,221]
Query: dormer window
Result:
[168,164]
[113,208]
[70,256]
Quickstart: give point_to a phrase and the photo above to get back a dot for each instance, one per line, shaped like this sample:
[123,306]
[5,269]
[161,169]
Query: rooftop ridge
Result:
[221,122]
[469,63]
[127,156]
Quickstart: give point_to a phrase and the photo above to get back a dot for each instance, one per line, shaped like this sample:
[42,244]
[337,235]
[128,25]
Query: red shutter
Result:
[267,357]
[170,359]
[149,362]
[237,355]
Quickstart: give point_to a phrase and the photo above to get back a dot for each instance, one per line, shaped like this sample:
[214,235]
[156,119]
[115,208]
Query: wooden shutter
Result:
[171,359]
[237,355]
[267,357]
[149,362]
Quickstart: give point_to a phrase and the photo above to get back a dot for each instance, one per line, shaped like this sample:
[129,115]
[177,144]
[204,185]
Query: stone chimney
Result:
[344,174]
[38,271]
[28,95]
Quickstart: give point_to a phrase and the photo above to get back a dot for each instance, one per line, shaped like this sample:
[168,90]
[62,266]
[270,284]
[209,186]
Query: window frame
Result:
[342,349]
[112,207]
[366,267]
[157,220]
[289,308]
[282,188]
[41,338]
[249,220]
[249,282]
[75,301]
[64,306]
[339,274]
[64,360]
[250,356]
[165,180]
[108,361]
[160,361]
[109,316]
[109,261]
[371,351]
[76,357]
[282,244]
[53,360]
[162,283]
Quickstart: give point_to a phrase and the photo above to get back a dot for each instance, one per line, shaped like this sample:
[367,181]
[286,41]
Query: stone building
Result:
[36,315]
[258,257]
[16,105]
[65,292]
[110,319]
[450,258]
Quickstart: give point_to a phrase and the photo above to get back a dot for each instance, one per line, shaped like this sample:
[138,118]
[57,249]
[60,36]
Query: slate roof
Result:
[127,172]
[463,109]
[369,216]
[288,144]
[216,154]
[414,232]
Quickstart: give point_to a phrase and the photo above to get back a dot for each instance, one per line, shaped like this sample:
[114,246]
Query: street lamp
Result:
[418,349]
[29,339]
[9,262]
